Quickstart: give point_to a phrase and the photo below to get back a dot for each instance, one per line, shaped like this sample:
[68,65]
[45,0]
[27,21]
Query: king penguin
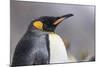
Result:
[40,44]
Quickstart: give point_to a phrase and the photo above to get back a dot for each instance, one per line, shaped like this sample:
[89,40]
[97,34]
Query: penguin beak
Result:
[61,18]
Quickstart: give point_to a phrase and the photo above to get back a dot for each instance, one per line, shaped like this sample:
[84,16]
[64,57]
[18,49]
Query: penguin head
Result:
[47,23]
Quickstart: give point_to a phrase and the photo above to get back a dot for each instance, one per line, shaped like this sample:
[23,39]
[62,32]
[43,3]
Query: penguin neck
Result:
[39,32]
[34,30]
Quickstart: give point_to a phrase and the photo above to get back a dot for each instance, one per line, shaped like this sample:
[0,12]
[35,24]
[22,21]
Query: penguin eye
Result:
[38,25]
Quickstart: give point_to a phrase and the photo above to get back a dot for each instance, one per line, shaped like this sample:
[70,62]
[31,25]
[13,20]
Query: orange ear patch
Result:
[38,24]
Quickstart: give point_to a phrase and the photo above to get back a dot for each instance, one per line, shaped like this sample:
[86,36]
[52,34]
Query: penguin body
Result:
[39,45]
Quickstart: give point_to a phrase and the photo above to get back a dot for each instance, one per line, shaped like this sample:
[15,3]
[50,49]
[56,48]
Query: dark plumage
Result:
[32,49]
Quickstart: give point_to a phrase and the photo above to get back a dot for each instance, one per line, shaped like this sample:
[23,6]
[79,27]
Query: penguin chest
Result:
[58,52]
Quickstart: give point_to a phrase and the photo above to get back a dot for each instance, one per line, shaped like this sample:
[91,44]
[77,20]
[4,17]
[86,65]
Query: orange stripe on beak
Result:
[58,21]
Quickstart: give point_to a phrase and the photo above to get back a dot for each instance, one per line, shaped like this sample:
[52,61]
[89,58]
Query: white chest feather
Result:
[58,52]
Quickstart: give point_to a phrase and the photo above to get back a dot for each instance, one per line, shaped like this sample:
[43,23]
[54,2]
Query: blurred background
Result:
[79,30]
